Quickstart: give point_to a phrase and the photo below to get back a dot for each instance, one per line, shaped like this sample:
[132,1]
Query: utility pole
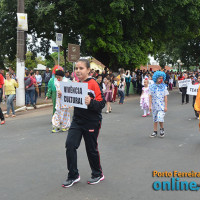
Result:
[20,95]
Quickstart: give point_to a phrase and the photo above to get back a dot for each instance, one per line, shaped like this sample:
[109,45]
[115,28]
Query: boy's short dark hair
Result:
[99,75]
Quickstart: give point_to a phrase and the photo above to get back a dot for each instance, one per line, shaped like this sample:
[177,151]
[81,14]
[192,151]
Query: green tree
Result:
[119,33]
[31,61]
[7,31]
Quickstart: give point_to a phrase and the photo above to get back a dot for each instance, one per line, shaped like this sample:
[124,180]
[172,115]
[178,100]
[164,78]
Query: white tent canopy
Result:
[40,67]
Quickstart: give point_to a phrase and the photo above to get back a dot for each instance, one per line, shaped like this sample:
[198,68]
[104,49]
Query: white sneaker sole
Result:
[162,136]
[77,180]
[101,179]
[151,136]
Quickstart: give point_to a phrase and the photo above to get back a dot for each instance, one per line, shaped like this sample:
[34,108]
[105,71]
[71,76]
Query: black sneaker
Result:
[162,132]
[154,134]
[95,180]
[70,182]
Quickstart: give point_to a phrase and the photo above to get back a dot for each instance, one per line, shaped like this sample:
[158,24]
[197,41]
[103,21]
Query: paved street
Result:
[33,164]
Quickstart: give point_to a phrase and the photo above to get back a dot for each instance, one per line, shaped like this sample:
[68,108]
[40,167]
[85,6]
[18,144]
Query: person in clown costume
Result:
[158,101]
[61,116]
[51,93]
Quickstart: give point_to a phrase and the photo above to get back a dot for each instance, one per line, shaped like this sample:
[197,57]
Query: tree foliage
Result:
[119,33]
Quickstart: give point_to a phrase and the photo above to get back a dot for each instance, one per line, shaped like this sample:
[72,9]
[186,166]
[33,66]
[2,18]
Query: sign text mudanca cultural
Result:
[73,94]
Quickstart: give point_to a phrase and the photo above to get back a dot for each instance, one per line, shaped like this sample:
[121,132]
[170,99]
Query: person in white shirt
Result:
[121,88]
[39,81]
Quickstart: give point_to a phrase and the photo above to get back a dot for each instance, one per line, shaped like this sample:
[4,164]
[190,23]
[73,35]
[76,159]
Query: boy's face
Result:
[99,79]
[159,80]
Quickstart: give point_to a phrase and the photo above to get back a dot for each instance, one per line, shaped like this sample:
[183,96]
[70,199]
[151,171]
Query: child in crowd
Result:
[109,94]
[171,81]
[144,99]
[121,88]
[158,101]
[61,117]
[99,80]
[150,80]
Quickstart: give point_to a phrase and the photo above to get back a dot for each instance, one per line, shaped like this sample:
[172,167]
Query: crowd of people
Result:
[103,89]
[112,84]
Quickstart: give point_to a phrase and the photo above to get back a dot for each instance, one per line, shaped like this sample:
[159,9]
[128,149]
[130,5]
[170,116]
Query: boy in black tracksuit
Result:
[86,123]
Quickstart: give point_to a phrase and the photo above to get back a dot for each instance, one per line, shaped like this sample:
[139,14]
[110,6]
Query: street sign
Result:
[59,39]
[22,22]
[55,49]
[73,52]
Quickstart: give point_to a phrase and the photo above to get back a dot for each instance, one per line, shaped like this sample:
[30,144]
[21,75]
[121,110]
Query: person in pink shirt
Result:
[109,94]
[74,76]
[1,94]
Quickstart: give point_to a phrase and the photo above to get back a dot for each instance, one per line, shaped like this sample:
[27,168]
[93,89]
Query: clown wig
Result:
[158,74]
[56,67]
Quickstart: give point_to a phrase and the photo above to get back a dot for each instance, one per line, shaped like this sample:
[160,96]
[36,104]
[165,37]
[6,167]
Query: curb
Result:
[31,108]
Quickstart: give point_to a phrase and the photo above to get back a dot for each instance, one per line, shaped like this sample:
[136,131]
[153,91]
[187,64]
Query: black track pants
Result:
[90,132]
[1,115]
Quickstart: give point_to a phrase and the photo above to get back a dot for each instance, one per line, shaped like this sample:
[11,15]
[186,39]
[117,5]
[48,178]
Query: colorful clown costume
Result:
[51,93]
[61,117]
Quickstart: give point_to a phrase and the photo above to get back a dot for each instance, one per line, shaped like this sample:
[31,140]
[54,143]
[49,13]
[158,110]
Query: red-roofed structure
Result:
[154,68]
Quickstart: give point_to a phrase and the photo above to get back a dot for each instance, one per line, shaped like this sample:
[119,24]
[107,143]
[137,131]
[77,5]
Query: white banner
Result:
[184,83]
[151,82]
[22,22]
[73,94]
[192,89]
[59,39]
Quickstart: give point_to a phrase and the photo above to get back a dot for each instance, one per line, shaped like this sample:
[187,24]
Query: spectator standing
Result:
[46,78]
[30,88]
[10,93]
[121,89]
[134,80]
[74,76]
[175,79]
[1,84]
[39,81]
[128,81]
[184,91]
[36,87]
[171,83]
[1,95]
[67,75]
[109,94]
[99,81]
[167,78]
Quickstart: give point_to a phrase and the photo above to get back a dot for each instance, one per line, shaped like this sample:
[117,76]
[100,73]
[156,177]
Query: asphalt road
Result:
[33,163]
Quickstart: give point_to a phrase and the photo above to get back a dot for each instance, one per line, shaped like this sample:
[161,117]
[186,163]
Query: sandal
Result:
[6,116]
